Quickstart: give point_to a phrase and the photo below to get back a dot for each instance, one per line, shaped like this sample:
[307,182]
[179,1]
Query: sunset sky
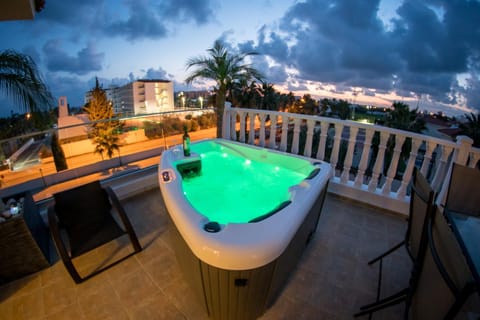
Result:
[423,52]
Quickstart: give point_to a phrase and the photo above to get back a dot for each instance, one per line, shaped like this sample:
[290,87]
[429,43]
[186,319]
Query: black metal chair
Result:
[81,220]
[463,182]
[444,287]
[421,206]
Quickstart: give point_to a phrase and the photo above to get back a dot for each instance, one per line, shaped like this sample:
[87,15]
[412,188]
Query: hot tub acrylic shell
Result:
[238,271]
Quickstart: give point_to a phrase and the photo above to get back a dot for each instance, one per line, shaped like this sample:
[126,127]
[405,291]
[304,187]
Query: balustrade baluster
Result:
[273,131]
[307,152]
[392,170]
[379,161]
[441,169]
[336,145]
[349,157]
[284,138]
[242,126]
[296,135]
[251,133]
[429,146]
[407,175]
[262,117]
[364,159]
[323,140]
[233,125]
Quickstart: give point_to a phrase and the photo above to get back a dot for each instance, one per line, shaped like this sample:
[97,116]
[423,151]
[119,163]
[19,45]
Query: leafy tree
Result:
[226,69]
[341,108]
[58,154]
[306,105]
[471,128]
[104,129]
[21,82]
[401,117]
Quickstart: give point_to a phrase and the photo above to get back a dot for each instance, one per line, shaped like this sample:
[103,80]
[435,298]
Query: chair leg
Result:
[73,272]
[394,296]
[386,253]
[380,307]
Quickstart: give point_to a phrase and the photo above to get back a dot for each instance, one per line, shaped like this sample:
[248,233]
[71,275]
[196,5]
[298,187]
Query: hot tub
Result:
[242,216]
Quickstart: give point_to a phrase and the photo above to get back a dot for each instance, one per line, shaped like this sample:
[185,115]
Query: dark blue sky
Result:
[424,52]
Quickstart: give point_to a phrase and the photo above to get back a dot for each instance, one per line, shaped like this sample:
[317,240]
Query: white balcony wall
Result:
[367,159]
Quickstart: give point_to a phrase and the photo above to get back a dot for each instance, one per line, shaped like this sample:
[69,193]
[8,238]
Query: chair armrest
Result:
[123,216]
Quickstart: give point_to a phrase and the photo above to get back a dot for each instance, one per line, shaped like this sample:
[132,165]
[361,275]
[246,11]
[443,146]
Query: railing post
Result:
[226,121]
[364,159]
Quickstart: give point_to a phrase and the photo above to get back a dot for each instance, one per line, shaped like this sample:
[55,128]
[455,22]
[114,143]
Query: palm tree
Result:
[401,117]
[22,83]
[471,128]
[226,69]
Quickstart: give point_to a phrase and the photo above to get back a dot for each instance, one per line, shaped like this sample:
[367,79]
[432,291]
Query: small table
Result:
[467,232]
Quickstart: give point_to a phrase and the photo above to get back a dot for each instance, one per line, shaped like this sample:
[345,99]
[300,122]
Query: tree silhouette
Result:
[471,128]
[226,69]
[21,82]
[104,128]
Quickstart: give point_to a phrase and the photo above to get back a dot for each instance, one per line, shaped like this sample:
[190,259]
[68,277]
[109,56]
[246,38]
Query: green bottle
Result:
[186,142]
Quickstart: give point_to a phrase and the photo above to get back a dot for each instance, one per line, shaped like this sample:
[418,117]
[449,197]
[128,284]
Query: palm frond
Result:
[22,83]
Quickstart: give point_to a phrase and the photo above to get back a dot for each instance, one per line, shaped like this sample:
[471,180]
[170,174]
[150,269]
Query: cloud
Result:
[86,60]
[345,43]
[200,11]
[72,87]
[142,22]
[155,74]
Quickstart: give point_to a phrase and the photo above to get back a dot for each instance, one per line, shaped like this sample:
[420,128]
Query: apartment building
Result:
[141,97]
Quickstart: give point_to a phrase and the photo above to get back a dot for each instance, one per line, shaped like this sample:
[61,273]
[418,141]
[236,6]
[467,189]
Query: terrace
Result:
[332,279]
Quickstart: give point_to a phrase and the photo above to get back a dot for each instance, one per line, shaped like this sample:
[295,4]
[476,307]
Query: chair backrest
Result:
[82,206]
[421,205]
[464,184]
[443,274]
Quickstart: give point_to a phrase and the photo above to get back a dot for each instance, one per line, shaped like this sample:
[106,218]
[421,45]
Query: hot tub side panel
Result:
[224,294]
[289,259]
[244,294]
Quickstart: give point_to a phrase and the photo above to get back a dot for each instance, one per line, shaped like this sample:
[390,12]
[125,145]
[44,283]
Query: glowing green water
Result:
[233,189]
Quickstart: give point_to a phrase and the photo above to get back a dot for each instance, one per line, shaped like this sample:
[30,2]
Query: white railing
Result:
[368,160]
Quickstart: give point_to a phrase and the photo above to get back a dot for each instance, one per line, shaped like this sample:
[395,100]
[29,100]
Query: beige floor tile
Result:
[58,295]
[27,306]
[71,312]
[135,288]
[156,307]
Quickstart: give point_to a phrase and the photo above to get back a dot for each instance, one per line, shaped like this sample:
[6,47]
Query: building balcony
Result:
[364,214]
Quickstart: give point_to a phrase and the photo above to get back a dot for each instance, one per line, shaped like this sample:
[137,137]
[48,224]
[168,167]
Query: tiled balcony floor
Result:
[331,281]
